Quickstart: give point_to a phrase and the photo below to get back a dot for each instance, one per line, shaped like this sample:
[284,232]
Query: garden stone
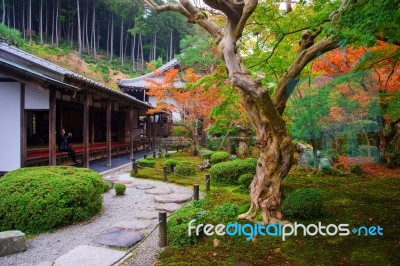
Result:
[12,242]
[119,237]
[169,207]
[145,215]
[45,263]
[158,191]
[144,186]
[133,225]
[324,163]
[302,147]
[173,198]
[85,255]
[205,164]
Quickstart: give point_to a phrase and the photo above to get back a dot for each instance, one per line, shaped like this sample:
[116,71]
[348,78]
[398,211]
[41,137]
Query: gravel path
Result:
[135,205]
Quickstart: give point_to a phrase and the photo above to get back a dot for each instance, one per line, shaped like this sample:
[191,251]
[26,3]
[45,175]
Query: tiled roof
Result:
[26,60]
[141,82]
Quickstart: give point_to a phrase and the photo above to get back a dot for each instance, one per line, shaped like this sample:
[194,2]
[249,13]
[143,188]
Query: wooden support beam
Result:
[92,128]
[52,127]
[23,127]
[154,132]
[108,133]
[61,116]
[132,129]
[86,113]
[148,126]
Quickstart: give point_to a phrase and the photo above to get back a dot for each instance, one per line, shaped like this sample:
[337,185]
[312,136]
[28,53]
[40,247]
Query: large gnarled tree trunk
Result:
[264,112]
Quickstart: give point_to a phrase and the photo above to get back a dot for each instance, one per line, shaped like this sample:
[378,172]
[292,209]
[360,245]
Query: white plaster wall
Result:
[36,98]
[10,131]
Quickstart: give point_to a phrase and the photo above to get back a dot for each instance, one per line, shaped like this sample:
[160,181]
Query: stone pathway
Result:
[124,221]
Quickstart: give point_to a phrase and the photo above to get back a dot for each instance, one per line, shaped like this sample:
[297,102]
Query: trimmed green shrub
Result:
[219,157]
[245,180]
[169,163]
[177,231]
[356,169]
[229,172]
[330,171]
[226,213]
[303,203]
[207,155]
[119,189]
[148,162]
[185,168]
[38,199]
[253,161]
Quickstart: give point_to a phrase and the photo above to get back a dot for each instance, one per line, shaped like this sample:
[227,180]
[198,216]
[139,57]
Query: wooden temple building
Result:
[138,88]
[38,98]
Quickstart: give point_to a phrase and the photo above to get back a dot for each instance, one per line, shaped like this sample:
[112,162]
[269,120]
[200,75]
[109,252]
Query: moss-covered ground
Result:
[366,199]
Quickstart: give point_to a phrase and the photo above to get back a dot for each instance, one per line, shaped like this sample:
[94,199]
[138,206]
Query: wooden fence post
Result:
[196,192]
[162,218]
[208,180]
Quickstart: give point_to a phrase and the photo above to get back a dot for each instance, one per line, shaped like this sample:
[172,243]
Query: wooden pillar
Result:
[61,117]
[92,127]
[154,132]
[108,132]
[148,131]
[86,113]
[131,111]
[23,127]
[52,127]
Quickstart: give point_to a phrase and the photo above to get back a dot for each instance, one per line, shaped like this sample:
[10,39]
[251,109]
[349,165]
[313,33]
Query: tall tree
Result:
[79,28]
[41,21]
[263,105]
[4,12]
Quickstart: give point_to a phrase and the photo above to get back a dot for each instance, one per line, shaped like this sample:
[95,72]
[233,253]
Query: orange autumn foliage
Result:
[385,72]
[193,103]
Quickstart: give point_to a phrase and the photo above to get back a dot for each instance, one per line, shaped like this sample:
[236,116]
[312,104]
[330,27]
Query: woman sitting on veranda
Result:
[65,146]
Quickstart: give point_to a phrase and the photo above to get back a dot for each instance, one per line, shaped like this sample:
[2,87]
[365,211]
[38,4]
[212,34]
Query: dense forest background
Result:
[111,30]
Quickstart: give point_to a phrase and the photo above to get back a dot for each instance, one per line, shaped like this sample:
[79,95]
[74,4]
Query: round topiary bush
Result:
[245,180]
[177,230]
[119,189]
[303,203]
[207,155]
[38,199]
[148,162]
[229,172]
[356,169]
[185,168]
[170,163]
[219,157]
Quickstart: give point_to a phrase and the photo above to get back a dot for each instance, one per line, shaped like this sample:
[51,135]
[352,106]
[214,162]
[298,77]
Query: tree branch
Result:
[191,12]
[305,55]
[249,7]
[231,8]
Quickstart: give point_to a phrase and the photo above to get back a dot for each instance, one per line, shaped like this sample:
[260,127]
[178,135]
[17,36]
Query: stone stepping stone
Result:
[133,225]
[144,186]
[85,255]
[173,198]
[119,237]
[169,207]
[145,215]
[159,191]
[45,263]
